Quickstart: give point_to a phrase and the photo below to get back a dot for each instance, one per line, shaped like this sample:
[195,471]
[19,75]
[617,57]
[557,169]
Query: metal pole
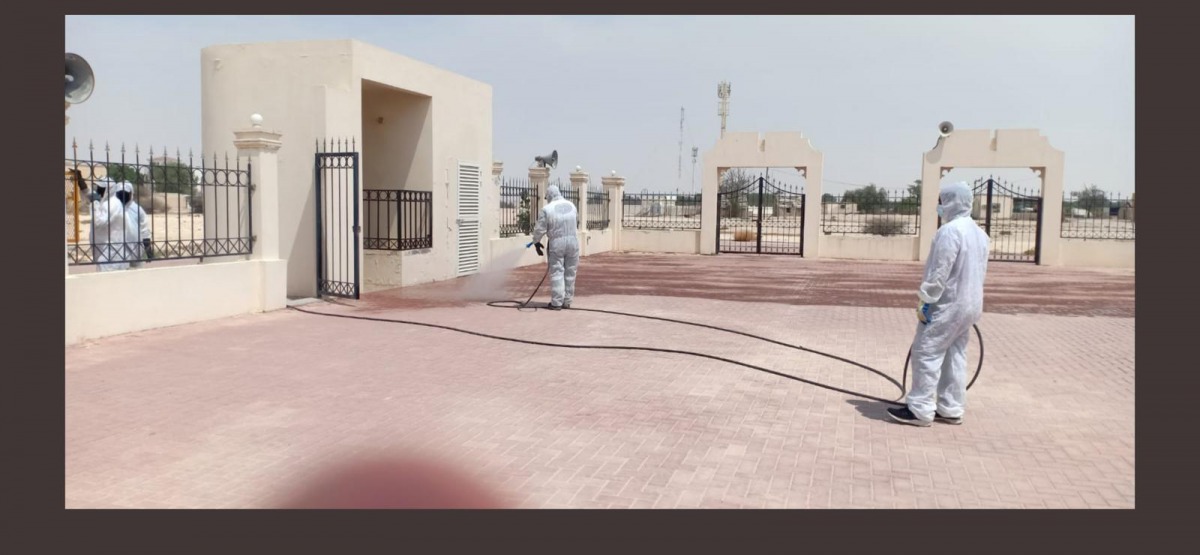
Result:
[1037,255]
[758,235]
[320,227]
[988,221]
[357,236]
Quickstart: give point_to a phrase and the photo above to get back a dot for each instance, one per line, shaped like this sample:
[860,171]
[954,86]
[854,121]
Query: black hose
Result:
[523,305]
[605,347]
[903,381]
[978,368]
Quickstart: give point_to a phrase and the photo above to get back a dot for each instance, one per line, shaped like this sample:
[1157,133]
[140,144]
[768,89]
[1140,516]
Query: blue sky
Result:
[605,91]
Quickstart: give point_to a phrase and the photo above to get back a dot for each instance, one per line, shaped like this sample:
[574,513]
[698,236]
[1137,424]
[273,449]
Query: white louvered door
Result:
[469,225]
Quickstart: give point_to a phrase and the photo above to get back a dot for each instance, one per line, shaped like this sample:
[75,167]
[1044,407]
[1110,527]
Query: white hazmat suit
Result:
[119,229]
[558,220]
[104,236]
[137,228]
[951,294]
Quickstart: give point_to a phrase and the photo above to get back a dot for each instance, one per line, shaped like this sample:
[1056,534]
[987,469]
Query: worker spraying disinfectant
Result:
[557,222]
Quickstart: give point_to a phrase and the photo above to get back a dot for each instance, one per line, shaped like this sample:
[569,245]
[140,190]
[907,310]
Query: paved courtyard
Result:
[237,412]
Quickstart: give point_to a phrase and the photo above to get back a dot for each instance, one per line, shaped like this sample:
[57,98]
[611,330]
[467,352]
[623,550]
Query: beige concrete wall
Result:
[640,240]
[397,143]
[596,241]
[314,89]
[390,269]
[1097,253]
[417,267]
[1017,148]
[461,133]
[296,86]
[768,150]
[1001,148]
[168,296]
[852,247]
[614,185]
[170,293]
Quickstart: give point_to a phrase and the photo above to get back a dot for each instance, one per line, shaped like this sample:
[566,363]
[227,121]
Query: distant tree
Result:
[169,177]
[125,172]
[176,177]
[735,179]
[523,221]
[914,190]
[1092,200]
[869,199]
[910,204]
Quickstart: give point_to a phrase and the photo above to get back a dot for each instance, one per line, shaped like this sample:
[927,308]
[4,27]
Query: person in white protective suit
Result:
[558,222]
[138,244]
[104,237]
[951,302]
[121,229]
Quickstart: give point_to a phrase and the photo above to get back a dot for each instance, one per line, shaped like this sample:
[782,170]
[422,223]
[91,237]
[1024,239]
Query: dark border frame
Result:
[33,400]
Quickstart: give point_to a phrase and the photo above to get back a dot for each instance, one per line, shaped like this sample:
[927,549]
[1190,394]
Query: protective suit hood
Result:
[552,193]
[956,201]
[126,188]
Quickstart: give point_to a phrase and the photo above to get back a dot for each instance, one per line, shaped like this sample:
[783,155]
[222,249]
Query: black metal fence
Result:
[398,220]
[760,215]
[597,210]
[1012,218]
[660,211]
[178,208]
[871,211]
[518,207]
[339,233]
[1095,214]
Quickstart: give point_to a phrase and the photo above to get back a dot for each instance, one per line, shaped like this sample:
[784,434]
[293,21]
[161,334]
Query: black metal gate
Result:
[1012,219]
[761,216]
[338,229]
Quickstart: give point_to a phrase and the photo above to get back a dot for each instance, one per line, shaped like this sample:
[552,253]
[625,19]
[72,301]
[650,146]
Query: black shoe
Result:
[905,416]
[946,419]
[552,307]
[567,306]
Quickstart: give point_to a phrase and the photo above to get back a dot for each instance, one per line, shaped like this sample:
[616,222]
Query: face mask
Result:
[941,211]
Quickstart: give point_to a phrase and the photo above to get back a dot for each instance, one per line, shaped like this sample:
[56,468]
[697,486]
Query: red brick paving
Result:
[236,413]
[1012,288]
